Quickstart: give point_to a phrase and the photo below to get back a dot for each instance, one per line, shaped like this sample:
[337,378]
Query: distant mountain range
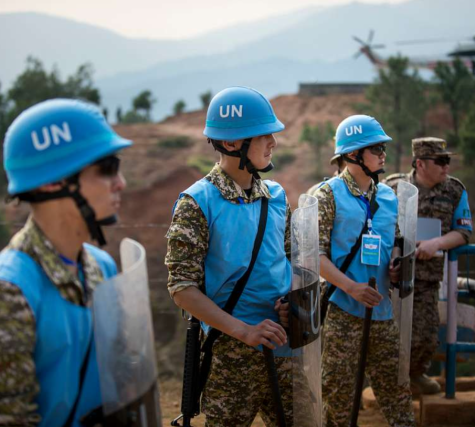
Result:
[272,55]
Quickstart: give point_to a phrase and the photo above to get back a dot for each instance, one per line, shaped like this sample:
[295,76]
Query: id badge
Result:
[371,249]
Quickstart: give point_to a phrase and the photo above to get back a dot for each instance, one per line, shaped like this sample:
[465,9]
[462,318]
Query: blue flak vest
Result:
[349,221]
[63,331]
[232,232]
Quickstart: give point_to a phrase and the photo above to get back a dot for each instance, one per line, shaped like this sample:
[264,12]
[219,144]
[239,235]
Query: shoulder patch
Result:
[394,178]
[456,181]
[397,176]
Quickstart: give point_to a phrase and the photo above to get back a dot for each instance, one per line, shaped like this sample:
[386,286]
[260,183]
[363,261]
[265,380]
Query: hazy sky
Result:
[165,18]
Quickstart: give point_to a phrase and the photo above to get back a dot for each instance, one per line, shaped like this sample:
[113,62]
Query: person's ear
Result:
[232,145]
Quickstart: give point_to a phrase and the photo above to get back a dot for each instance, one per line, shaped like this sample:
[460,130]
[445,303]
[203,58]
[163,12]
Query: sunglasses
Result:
[377,150]
[108,166]
[439,161]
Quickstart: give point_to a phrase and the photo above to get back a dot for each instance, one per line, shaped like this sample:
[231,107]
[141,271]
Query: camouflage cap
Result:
[429,147]
[334,159]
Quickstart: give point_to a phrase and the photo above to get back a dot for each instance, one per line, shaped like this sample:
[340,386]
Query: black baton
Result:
[274,385]
[362,361]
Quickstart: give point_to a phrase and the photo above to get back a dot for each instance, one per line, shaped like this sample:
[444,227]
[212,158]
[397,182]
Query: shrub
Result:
[201,163]
[175,142]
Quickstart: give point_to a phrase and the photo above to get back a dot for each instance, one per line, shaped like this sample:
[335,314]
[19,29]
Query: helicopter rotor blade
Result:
[370,36]
[425,41]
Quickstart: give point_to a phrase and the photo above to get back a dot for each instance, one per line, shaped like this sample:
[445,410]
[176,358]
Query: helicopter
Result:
[466,52]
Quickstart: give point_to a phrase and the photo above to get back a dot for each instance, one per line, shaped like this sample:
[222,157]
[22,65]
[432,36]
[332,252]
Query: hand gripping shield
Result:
[125,343]
[304,317]
[403,292]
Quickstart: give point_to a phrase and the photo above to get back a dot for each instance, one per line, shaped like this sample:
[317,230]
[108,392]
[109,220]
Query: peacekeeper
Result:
[442,197]
[60,157]
[210,241]
[346,203]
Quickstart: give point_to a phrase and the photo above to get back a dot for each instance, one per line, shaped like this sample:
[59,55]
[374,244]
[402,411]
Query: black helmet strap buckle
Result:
[86,211]
[72,189]
[244,161]
[360,162]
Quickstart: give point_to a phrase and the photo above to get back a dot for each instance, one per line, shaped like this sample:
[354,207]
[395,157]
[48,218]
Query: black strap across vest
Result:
[373,204]
[82,376]
[214,334]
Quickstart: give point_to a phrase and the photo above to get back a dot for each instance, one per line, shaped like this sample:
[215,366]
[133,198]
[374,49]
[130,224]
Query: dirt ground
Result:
[170,401]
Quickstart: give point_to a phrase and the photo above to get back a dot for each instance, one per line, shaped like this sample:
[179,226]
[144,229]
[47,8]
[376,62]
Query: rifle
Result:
[190,404]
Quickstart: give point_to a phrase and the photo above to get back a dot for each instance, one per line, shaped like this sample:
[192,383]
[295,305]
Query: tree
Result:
[317,136]
[398,101]
[80,85]
[206,99]
[35,84]
[179,107]
[105,113]
[3,113]
[467,137]
[456,86]
[118,115]
[144,102]
[132,116]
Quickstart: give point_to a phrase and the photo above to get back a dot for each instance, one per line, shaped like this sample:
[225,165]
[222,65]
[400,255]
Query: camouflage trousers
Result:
[342,342]
[238,386]
[425,326]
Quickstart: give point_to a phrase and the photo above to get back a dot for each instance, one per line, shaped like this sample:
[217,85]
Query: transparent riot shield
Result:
[125,343]
[304,319]
[403,294]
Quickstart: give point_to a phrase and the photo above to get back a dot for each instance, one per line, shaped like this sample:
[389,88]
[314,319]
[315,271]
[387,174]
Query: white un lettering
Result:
[235,111]
[353,130]
[54,133]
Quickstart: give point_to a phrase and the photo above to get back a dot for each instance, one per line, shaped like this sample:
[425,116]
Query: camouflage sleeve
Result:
[287,238]
[18,383]
[188,237]
[398,232]
[326,216]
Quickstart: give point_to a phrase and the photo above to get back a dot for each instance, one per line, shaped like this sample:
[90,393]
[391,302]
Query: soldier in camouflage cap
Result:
[429,147]
[443,197]
[210,242]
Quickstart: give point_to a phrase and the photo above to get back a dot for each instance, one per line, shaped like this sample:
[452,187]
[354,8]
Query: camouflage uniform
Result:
[237,388]
[342,340]
[341,351]
[18,383]
[439,202]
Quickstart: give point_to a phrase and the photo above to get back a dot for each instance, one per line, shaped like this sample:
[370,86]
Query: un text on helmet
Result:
[52,133]
[353,130]
[233,109]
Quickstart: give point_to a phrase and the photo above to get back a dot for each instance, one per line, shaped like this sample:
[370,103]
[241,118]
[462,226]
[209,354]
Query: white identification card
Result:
[371,249]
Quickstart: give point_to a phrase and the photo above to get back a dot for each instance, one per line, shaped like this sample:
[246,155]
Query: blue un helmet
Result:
[356,133]
[53,141]
[240,113]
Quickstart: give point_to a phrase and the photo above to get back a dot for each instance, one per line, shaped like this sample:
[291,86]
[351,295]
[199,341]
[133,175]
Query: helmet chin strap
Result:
[360,162]
[72,189]
[244,160]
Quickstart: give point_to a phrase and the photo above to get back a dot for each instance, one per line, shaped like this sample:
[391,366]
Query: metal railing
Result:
[454,346]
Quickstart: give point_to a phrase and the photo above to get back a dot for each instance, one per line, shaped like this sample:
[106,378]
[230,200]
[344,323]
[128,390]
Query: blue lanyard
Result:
[369,216]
